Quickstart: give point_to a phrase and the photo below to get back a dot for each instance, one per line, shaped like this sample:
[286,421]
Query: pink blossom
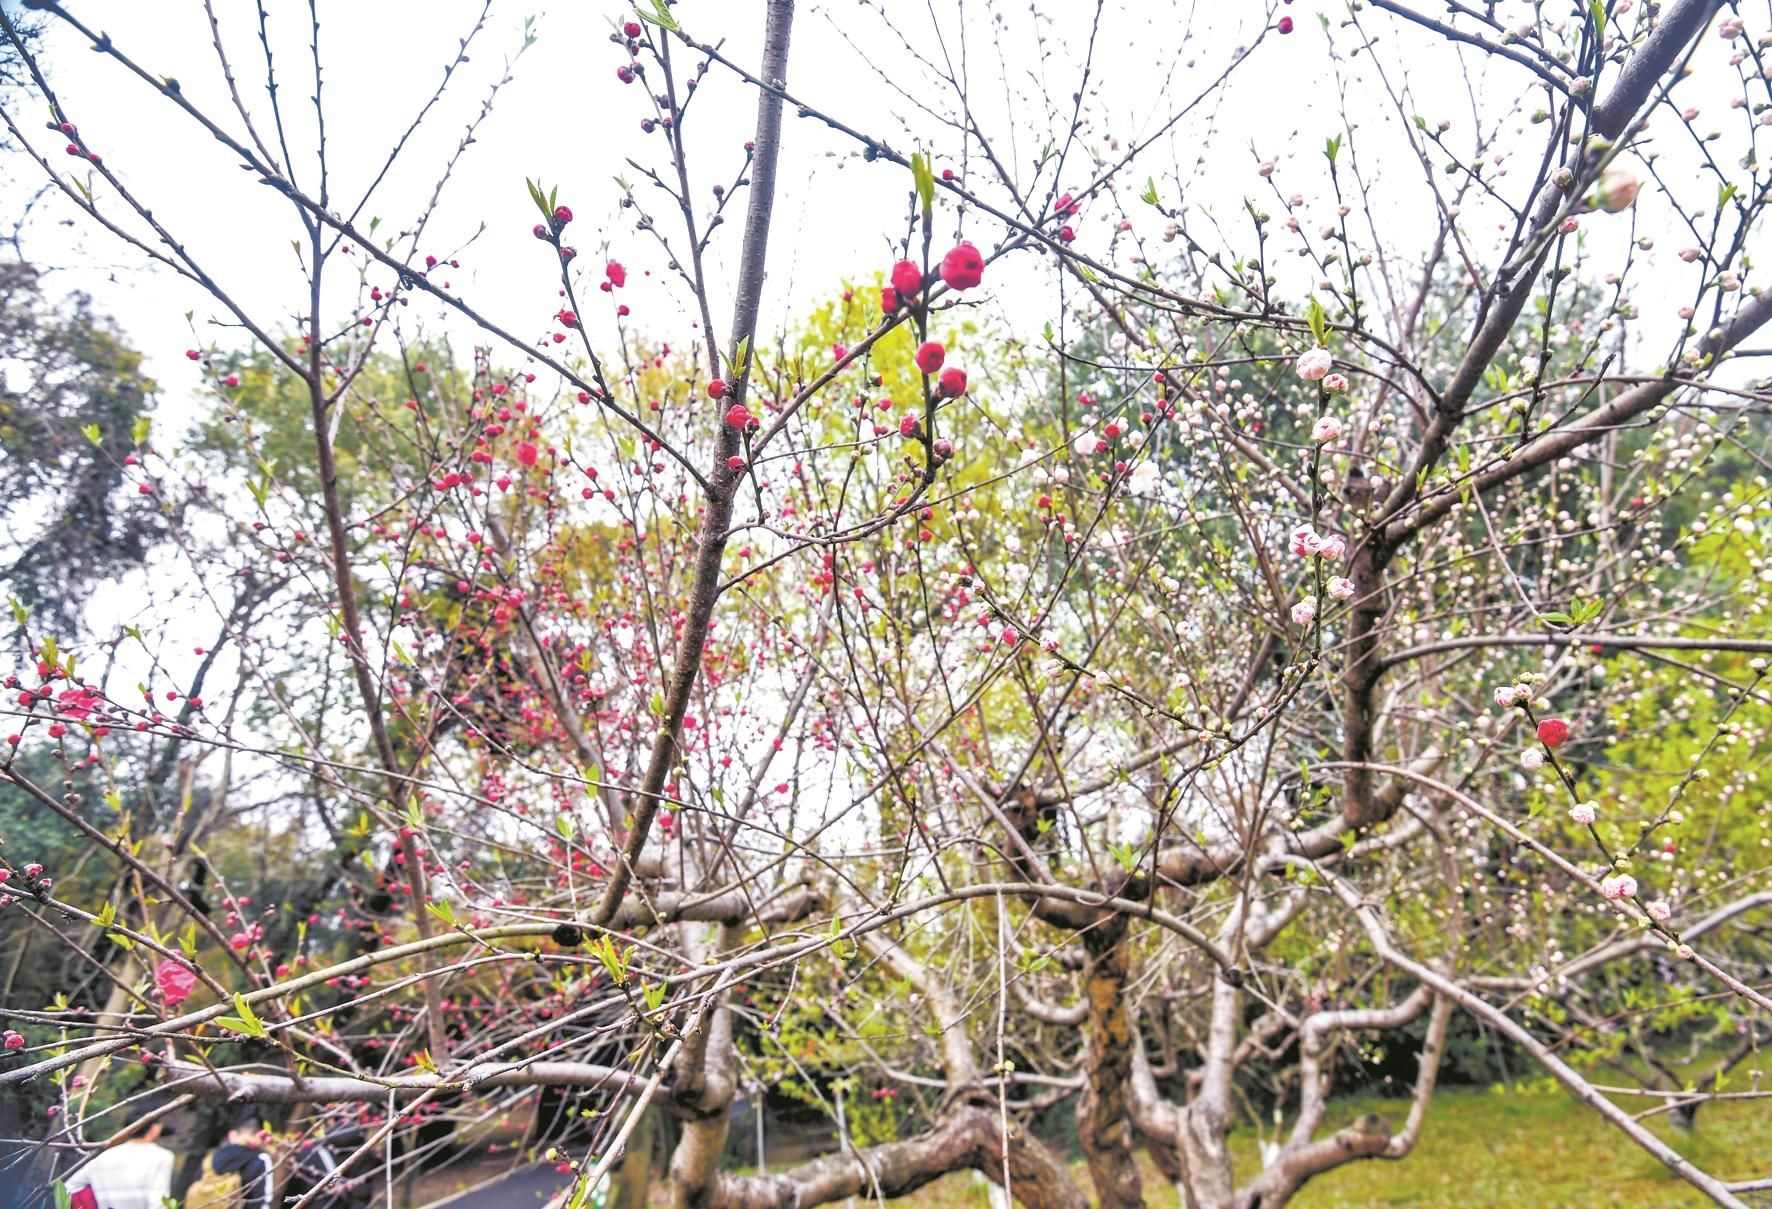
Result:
[79,703]
[1333,547]
[175,980]
[1335,384]
[1305,611]
[1659,911]
[1326,429]
[1506,695]
[1341,587]
[1532,759]
[1312,365]
[1617,190]
[1582,812]
[1618,886]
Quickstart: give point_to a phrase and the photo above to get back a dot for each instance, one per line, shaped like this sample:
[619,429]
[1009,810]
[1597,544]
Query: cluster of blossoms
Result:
[1313,366]
[1307,543]
[961,269]
[1508,696]
[36,883]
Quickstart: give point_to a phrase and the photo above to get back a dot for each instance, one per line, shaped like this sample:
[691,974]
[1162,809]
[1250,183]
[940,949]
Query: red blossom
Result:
[1553,732]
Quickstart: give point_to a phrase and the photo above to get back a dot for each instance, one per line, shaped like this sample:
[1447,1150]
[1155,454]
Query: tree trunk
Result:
[968,1136]
[1104,1128]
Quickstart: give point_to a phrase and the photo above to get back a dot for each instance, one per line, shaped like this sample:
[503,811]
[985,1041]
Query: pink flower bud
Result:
[1314,364]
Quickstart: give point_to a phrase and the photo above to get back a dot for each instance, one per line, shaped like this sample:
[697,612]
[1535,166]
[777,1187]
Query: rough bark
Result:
[1206,1121]
[967,1136]
[1104,1126]
[1158,1119]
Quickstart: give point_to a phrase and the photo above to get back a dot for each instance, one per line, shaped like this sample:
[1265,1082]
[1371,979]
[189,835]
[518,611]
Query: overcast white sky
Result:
[565,119]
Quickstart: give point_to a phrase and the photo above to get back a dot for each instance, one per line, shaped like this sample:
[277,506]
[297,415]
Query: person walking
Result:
[135,1173]
[238,1174]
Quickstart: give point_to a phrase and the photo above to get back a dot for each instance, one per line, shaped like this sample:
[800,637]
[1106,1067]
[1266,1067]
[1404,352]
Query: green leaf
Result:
[1319,322]
[107,915]
[604,950]
[924,175]
[62,1199]
[656,704]
[654,994]
[1149,196]
[1332,148]
[567,826]
[442,911]
[246,1023]
[1557,618]
[143,426]
[659,16]
[1597,10]
[92,432]
[19,615]
[539,198]
[120,940]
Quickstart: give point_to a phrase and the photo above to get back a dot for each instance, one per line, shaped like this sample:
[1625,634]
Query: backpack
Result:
[213,1191]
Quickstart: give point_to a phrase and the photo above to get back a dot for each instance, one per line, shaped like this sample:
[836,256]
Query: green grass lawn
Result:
[1523,1150]
[1540,1149]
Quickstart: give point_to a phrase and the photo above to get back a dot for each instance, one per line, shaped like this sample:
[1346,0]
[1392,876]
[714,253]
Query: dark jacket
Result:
[254,1166]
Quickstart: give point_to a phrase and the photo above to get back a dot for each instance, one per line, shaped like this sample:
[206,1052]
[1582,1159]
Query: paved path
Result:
[527,1188]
